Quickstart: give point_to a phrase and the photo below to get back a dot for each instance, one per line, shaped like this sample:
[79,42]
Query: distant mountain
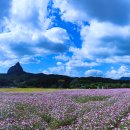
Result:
[16,70]
[17,77]
[125,78]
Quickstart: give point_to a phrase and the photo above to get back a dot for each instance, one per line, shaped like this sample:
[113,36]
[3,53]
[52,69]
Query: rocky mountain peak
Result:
[16,69]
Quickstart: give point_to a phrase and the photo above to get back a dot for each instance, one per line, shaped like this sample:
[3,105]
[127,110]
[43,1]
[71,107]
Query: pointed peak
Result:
[16,69]
[18,63]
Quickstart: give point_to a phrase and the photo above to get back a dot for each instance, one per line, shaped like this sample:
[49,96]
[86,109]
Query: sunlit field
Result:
[51,109]
[27,90]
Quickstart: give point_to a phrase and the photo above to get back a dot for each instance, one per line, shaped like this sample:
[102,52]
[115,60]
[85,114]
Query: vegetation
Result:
[95,109]
[86,99]
[28,80]
[18,78]
[27,90]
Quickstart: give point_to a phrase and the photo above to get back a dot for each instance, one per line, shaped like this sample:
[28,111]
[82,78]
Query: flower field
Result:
[66,110]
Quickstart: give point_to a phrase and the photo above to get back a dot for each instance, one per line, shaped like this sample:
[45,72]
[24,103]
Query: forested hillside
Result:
[17,77]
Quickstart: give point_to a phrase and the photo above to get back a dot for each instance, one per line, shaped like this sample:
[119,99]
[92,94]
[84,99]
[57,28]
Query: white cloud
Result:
[116,11]
[93,72]
[76,63]
[57,35]
[29,12]
[59,69]
[26,32]
[70,66]
[62,57]
[104,42]
[108,35]
[118,73]
[69,13]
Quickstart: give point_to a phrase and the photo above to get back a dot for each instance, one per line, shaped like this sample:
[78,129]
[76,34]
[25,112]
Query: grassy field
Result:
[27,90]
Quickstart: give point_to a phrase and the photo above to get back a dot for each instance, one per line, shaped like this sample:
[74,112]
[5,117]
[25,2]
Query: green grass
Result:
[85,99]
[27,90]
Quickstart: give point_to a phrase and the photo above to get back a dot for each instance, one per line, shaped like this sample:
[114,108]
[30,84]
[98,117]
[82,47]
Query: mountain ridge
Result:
[17,77]
[125,78]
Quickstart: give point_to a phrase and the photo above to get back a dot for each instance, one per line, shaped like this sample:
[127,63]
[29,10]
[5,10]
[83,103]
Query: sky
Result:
[68,37]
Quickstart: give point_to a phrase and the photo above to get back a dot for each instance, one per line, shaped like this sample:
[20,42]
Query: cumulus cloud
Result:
[122,71]
[108,35]
[105,40]
[118,73]
[62,57]
[29,12]
[69,12]
[117,11]
[30,43]
[25,32]
[69,65]
[95,73]
[57,35]
[56,70]
[62,69]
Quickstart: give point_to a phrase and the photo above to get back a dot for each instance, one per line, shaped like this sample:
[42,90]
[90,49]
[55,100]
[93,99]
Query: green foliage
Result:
[85,99]
[59,81]
[57,123]
[54,123]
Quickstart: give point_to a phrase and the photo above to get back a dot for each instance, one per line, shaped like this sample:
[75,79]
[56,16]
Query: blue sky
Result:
[69,37]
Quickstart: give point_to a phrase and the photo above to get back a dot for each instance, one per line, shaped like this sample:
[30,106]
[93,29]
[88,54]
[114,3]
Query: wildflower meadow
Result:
[66,110]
